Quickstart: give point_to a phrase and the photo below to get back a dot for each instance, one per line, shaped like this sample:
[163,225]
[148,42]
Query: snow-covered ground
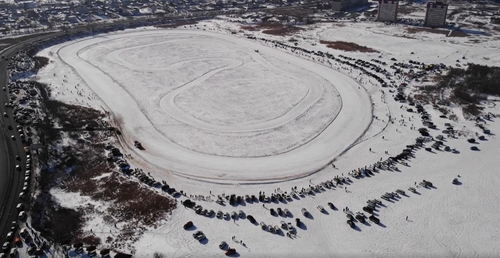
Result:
[207,106]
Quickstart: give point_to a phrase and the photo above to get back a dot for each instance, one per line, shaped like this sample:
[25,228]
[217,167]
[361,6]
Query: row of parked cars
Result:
[19,63]
[16,234]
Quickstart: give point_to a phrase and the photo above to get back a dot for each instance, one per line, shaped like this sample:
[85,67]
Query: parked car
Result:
[374,219]
[188,225]
[6,247]
[20,206]
[283,225]
[223,245]
[13,253]
[263,226]
[251,219]
[10,236]
[280,211]
[22,215]
[230,251]
[199,235]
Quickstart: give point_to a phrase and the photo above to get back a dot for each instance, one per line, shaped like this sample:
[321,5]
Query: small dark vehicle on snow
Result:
[374,219]
[189,224]
[251,219]
[230,251]
[360,218]
[368,209]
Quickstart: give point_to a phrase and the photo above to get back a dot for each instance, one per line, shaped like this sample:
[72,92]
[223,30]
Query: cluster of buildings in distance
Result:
[435,15]
[29,14]
[435,12]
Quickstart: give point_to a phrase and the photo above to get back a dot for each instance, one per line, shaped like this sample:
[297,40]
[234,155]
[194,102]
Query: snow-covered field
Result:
[207,106]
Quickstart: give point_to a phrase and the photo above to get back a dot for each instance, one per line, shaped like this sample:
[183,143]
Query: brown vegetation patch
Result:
[40,62]
[250,28]
[76,167]
[458,33]
[284,31]
[414,30]
[347,46]
[454,33]
[273,28]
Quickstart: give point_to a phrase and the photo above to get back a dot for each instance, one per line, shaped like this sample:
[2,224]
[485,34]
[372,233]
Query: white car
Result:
[22,215]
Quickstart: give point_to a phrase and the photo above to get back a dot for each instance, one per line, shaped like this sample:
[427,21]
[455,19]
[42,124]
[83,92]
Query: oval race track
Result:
[350,123]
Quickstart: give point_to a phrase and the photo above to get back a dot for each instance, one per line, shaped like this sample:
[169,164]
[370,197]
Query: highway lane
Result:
[11,181]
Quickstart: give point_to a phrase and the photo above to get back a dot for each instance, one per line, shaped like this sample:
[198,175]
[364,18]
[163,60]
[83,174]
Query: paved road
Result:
[11,181]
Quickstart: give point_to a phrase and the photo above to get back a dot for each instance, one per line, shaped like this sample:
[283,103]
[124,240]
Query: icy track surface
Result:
[220,108]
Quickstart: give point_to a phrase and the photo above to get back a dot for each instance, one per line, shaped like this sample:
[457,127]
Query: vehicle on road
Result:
[6,247]
[22,215]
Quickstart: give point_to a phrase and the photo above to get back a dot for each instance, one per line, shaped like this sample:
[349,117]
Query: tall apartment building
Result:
[435,15]
[387,10]
[342,5]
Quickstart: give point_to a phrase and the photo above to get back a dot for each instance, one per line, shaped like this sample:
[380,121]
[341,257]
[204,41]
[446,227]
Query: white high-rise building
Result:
[435,15]
[387,10]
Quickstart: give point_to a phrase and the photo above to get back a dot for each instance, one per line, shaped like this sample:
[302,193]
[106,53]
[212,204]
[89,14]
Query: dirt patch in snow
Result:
[414,30]
[347,46]
[273,28]
[454,33]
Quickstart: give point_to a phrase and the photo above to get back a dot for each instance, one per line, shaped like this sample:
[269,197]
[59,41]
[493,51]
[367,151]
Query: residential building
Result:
[435,15]
[387,10]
